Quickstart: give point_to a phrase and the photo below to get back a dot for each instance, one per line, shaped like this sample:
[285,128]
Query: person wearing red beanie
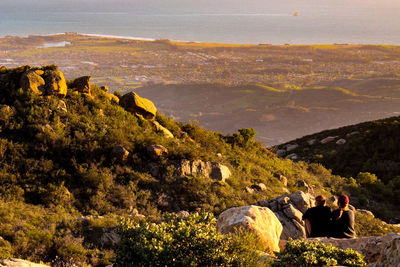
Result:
[343,220]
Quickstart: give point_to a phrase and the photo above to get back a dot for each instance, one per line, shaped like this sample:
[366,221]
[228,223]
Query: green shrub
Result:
[193,241]
[304,253]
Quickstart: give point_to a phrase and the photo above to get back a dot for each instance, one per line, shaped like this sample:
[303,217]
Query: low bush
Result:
[305,253]
[193,241]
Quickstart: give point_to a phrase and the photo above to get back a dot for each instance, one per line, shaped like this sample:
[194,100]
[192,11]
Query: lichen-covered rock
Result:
[259,220]
[133,103]
[19,263]
[213,170]
[32,80]
[55,82]
[81,84]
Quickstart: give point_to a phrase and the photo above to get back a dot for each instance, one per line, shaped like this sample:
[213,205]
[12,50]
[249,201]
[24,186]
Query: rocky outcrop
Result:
[289,209]
[55,83]
[19,263]
[165,132]
[374,248]
[81,84]
[120,153]
[156,151]
[133,103]
[32,80]
[259,220]
[390,254]
[213,170]
[341,141]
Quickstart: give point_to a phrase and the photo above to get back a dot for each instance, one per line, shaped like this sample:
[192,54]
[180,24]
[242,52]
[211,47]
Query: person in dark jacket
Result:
[317,219]
[343,220]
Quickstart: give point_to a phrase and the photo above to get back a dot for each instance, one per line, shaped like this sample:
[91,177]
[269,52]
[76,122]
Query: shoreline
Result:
[137,38]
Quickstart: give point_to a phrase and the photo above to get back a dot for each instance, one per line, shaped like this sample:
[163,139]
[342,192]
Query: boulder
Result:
[303,184]
[291,147]
[120,153]
[156,151]
[183,214]
[311,142]
[259,220]
[328,139]
[259,187]
[32,80]
[352,133]
[292,156]
[110,238]
[281,178]
[373,247]
[55,83]
[341,141]
[219,172]
[162,129]
[81,84]
[249,190]
[19,263]
[281,153]
[289,209]
[390,255]
[133,103]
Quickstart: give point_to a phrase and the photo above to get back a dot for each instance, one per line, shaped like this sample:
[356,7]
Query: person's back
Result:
[343,220]
[318,219]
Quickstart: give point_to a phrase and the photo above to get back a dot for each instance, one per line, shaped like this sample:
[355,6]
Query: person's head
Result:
[343,201]
[320,200]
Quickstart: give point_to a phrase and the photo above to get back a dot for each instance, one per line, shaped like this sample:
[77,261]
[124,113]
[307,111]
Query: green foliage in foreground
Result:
[300,253]
[193,241]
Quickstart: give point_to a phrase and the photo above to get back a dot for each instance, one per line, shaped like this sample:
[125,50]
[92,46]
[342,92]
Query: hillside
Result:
[368,152]
[73,161]
[282,91]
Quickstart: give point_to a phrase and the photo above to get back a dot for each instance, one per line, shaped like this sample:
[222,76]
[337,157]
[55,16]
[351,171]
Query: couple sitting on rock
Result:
[321,222]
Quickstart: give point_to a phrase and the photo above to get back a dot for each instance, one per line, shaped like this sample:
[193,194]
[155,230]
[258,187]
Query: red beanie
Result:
[343,200]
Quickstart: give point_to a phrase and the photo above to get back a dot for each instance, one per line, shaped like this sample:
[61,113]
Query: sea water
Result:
[223,21]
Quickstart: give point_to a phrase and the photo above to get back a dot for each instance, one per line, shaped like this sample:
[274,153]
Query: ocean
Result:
[221,21]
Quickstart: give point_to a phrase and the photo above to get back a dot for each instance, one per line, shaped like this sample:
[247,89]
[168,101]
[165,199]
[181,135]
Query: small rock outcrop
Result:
[55,83]
[259,220]
[341,142]
[213,170]
[156,151]
[32,80]
[19,263]
[372,247]
[390,255]
[81,84]
[289,209]
[133,103]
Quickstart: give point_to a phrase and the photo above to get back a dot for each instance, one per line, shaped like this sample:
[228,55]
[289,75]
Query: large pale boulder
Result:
[55,83]
[19,263]
[32,80]
[81,84]
[133,103]
[259,220]
[373,247]
[390,255]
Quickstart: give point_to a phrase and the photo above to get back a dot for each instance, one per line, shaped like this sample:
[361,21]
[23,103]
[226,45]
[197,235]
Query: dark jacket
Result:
[319,217]
[343,224]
